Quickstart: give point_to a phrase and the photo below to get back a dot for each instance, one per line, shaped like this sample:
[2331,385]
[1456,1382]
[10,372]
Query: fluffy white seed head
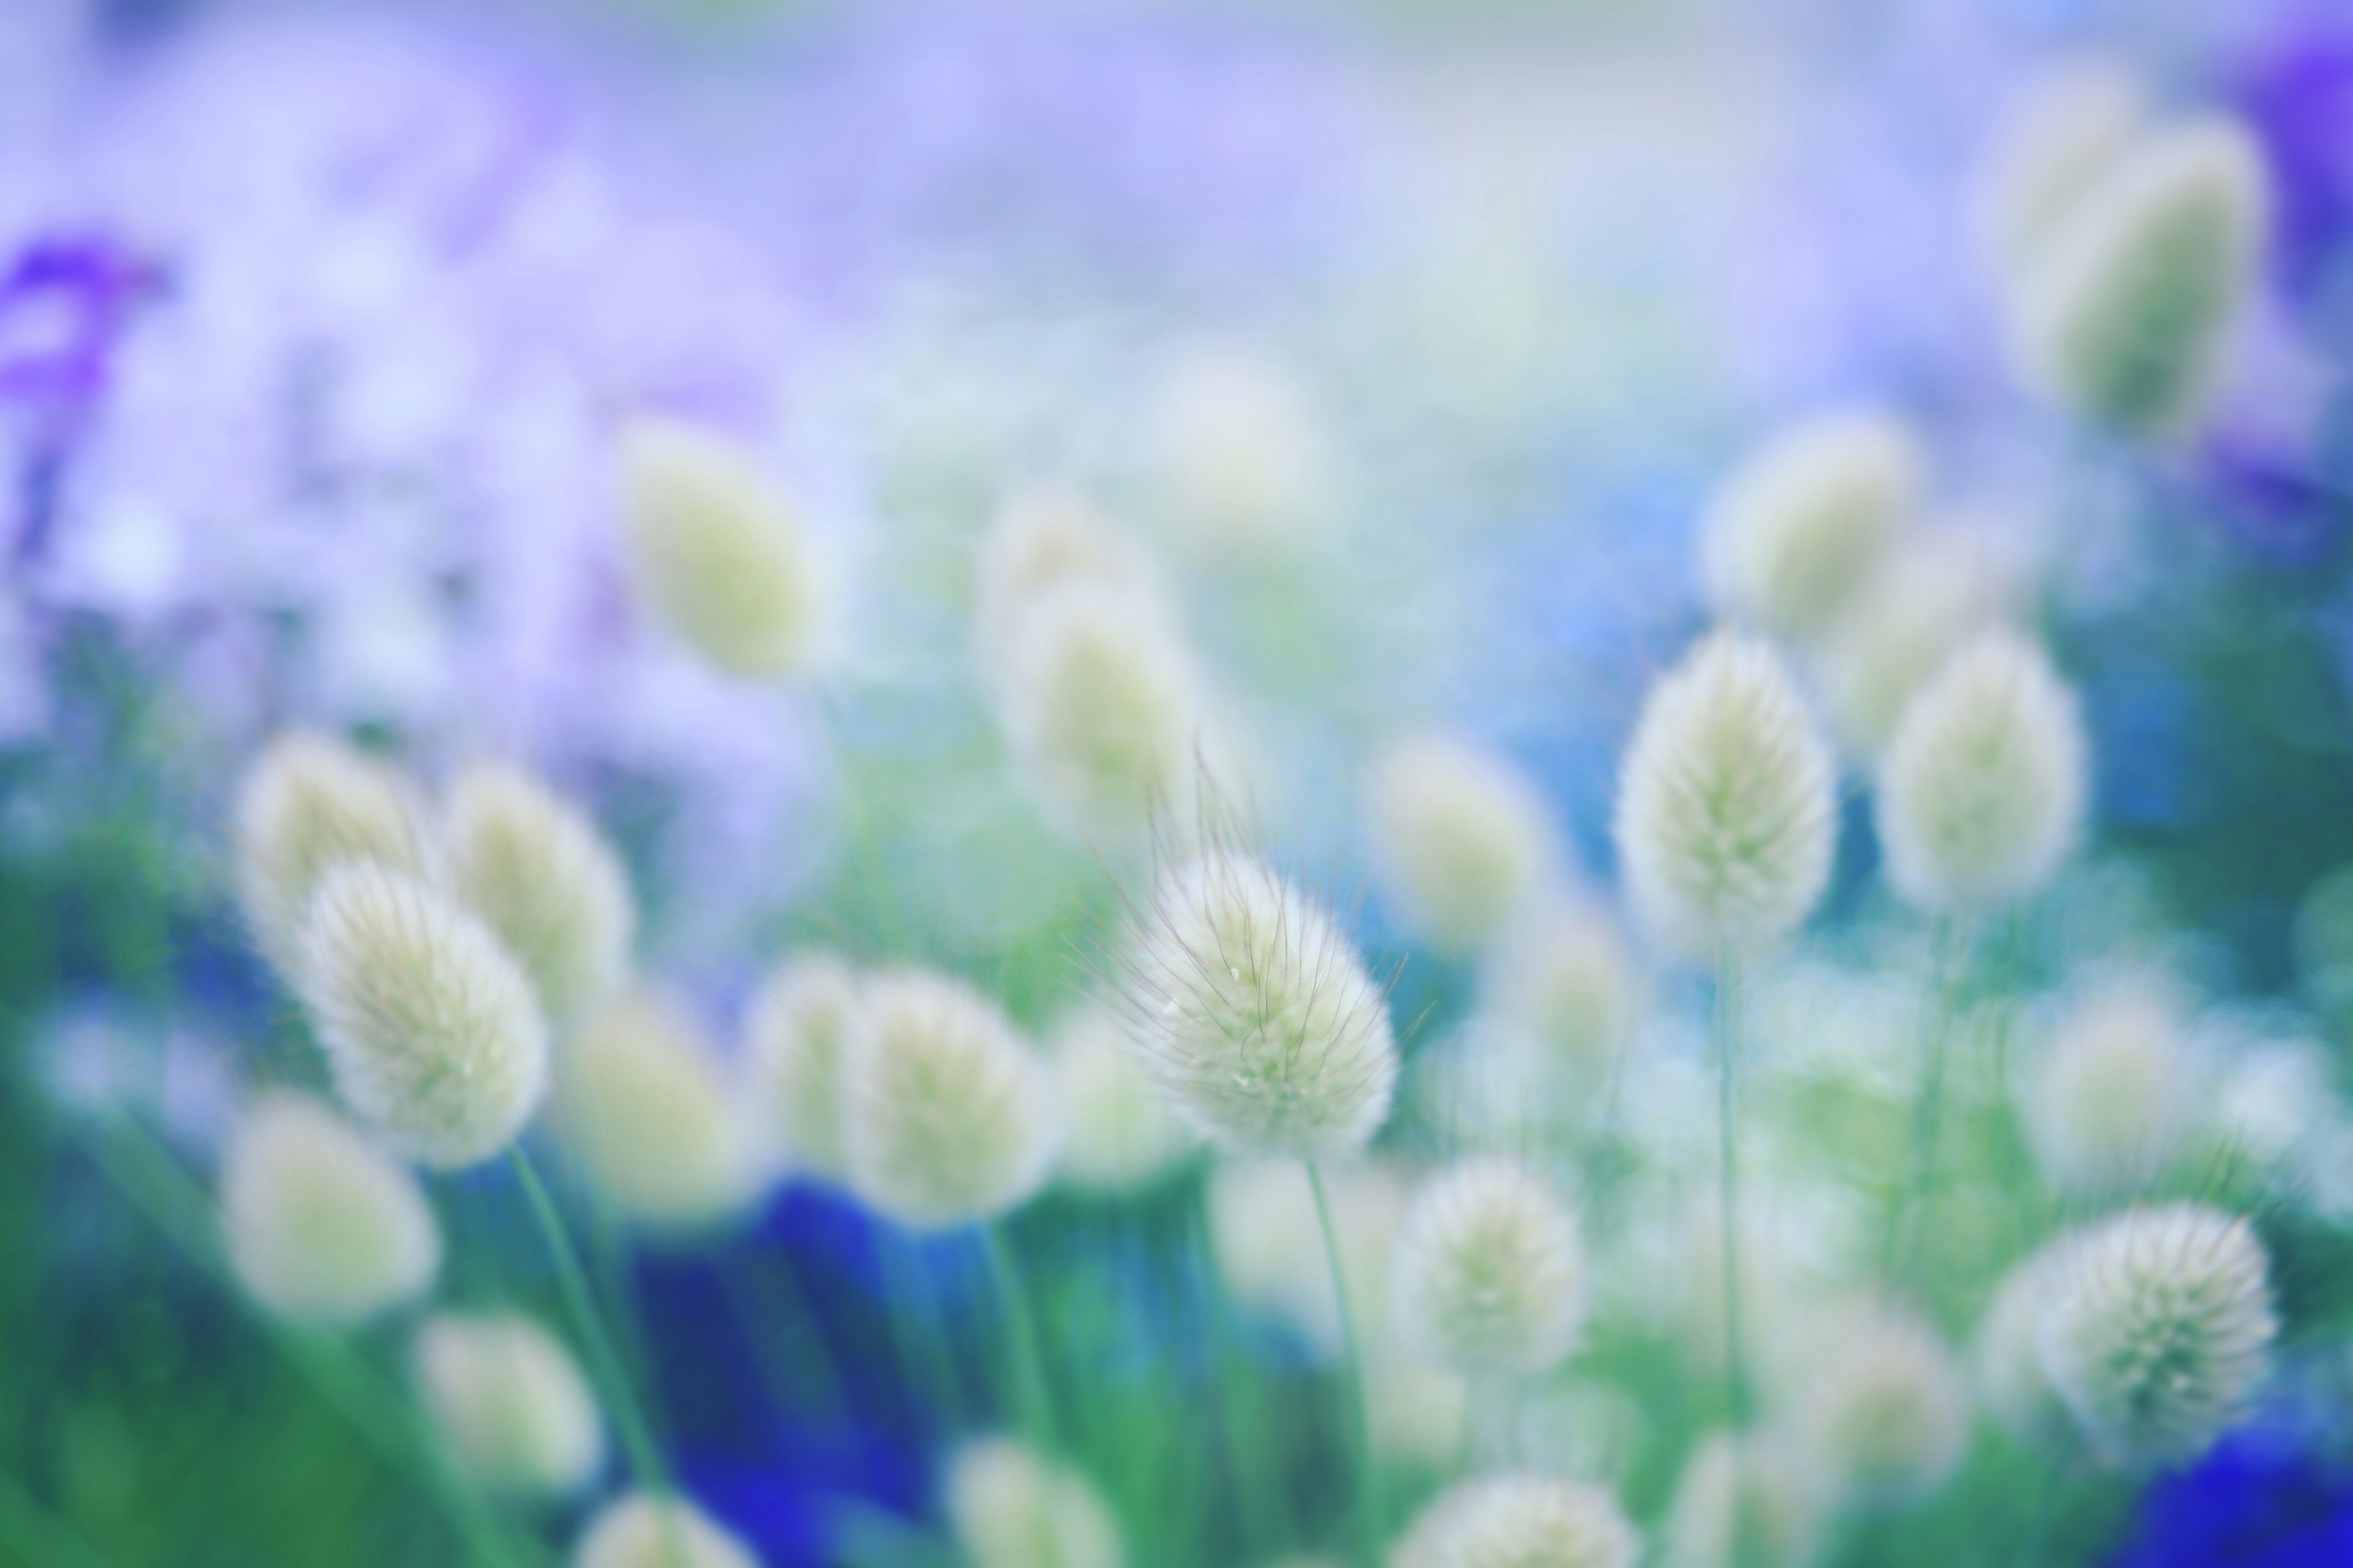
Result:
[653,1118]
[1241,455]
[2123,314]
[1489,1272]
[723,559]
[948,1115]
[1725,815]
[433,1035]
[1882,1411]
[2158,1331]
[538,872]
[2008,1354]
[1010,1507]
[1741,1503]
[1797,527]
[643,1531]
[1459,834]
[306,803]
[1514,1521]
[320,1225]
[1928,594]
[793,1037]
[1981,793]
[1117,1130]
[1563,976]
[2072,125]
[1043,540]
[507,1403]
[1254,1011]
[2109,1106]
[1103,710]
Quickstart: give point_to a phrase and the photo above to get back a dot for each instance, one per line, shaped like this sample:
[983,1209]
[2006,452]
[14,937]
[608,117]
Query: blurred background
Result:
[317,321]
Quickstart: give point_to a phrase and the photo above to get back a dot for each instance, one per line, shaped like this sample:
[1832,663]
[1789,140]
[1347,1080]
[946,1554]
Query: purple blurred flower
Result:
[2298,95]
[65,303]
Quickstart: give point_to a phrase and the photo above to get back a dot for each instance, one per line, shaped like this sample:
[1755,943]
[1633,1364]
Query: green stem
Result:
[1727,1053]
[604,1361]
[1909,1213]
[915,1318]
[1024,1345]
[1260,1499]
[1353,1374]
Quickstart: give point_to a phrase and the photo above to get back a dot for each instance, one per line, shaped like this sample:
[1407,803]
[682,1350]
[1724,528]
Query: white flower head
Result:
[320,1225]
[948,1115]
[2123,315]
[1797,527]
[1982,789]
[1725,816]
[1882,1409]
[1563,975]
[2074,122]
[539,874]
[1010,1507]
[1742,1502]
[644,1531]
[507,1403]
[2110,1104]
[2158,1331]
[1488,1274]
[723,559]
[1241,453]
[1103,710]
[1042,539]
[306,803]
[794,1036]
[1460,836]
[1518,1521]
[1117,1130]
[1253,1010]
[652,1117]
[432,1031]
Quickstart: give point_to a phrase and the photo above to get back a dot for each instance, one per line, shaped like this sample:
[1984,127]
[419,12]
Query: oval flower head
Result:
[643,1531]
[1009,1507]
[1883,1410]
[1799,526]
[1462,838]
[725,560]
[2123,316]
[1255,1013]
[651,1117]
[1241,453]
[1045,539]
[306,803]
[2110,1105]
[947,1114]
[320,1225]
[509,1404]
[1725,810]
[540,875]
[1488,1276]
[2074,123]
[2158,1331]
[1117,1132]
[1101,709]
[1929,592]
[1514,1521]
[794,1036]
[1740,1504]
[2010,1382]
[1563,974]
[432,1033]
[1981,792]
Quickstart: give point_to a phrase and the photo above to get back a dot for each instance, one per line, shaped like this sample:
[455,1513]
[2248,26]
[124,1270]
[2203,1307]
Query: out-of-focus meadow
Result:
[1123,783]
